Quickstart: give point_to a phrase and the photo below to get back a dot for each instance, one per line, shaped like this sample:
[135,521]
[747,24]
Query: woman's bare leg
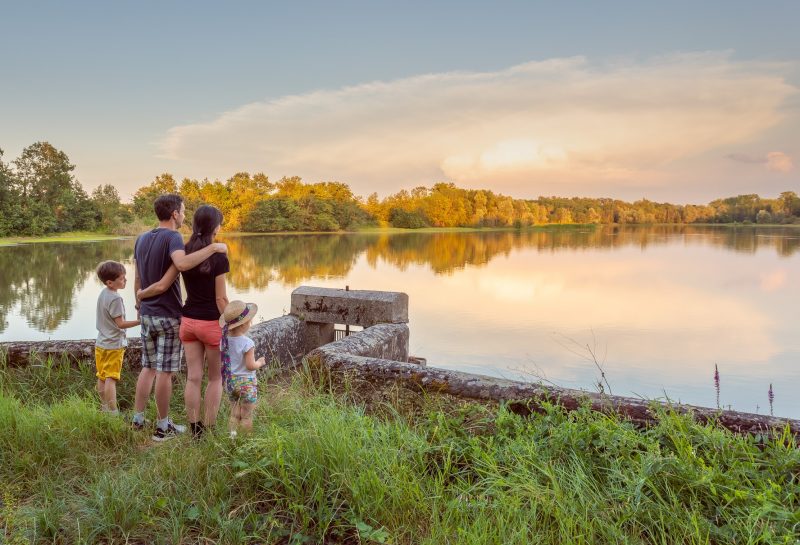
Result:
[195,353]
[213,393]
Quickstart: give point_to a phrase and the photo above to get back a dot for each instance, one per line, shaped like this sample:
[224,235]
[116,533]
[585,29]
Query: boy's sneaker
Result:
[172,430]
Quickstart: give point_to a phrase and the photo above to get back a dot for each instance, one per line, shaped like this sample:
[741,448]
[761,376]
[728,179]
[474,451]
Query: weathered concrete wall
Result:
[280,339]
[384,341]
[20,353]
[526,397]
[357,307]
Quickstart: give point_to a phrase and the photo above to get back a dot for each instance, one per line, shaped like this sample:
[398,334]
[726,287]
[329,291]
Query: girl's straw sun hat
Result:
[237,313]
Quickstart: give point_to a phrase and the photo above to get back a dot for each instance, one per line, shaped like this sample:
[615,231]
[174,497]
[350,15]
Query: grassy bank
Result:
[77,236]
[322,467]
[83,236]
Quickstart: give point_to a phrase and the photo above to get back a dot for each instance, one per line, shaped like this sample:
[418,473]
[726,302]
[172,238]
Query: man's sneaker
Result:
[172,431]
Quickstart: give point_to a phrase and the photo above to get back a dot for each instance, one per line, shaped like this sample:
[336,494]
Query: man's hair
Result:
[110,270]
[165,205]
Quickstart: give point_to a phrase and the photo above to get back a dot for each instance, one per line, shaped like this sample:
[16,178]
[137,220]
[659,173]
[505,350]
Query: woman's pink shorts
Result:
[207,332]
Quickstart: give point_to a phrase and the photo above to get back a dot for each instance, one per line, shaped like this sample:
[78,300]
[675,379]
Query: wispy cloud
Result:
[566,121]
[776,161]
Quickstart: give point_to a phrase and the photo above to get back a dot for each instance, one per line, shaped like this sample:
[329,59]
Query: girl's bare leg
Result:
[246,416]
[233,421]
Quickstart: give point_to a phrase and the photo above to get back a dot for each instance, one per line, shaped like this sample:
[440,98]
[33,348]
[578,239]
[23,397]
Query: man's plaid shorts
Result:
[161,345]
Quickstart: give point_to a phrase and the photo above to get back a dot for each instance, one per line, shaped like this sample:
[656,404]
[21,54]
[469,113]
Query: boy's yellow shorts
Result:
[108,362]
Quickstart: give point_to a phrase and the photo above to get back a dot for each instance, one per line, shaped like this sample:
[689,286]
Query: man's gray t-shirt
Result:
[152,252]
[110,306]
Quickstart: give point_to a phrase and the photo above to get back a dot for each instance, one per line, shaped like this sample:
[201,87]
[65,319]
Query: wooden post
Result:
[347,326]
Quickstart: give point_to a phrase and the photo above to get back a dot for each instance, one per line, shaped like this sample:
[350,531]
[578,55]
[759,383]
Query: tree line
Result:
[39,194]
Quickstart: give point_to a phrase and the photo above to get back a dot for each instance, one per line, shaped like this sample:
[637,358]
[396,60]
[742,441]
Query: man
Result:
[154,252]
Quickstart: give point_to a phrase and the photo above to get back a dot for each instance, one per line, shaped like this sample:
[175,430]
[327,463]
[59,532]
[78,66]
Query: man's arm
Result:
[184,261]
[137,285]
[159,287]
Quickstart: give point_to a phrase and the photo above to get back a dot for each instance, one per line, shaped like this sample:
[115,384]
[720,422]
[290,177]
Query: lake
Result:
[655,306]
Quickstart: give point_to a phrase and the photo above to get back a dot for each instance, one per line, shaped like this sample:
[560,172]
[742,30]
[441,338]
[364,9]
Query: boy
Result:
[111,341]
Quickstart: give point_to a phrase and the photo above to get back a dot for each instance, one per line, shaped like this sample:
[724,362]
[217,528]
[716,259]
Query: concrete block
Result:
[384,341]
[280,339]
[316,334]
[356,307]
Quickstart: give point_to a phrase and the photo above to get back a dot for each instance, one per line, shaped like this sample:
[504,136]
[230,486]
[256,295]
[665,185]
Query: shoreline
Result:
[83,236]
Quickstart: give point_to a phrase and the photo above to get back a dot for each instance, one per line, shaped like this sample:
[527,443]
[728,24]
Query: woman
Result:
[200,332]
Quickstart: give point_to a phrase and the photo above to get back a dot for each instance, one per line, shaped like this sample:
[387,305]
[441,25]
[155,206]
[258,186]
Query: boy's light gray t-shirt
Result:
[109,306]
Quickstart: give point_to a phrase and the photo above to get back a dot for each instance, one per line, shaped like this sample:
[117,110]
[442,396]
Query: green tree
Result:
[790,203]
[317,214]
[763,217]
[274,214]
[110,210]
[9,200]
[244,191]
[47,187]
[406,220]
[145,196]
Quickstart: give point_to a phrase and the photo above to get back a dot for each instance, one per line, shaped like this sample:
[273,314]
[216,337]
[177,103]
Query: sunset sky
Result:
[679,101]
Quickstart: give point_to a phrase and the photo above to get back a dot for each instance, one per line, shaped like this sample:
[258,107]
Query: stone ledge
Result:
[384,341]
[357,307]
[278,339]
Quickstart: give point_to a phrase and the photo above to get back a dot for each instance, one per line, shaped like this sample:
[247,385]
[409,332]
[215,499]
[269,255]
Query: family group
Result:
[208,328]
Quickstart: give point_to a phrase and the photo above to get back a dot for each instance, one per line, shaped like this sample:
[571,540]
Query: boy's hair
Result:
[165,205]
[110,270]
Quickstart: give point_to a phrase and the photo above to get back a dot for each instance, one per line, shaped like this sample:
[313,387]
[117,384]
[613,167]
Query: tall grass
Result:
[320,468]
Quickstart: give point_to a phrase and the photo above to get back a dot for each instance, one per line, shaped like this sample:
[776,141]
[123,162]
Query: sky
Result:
[670,101]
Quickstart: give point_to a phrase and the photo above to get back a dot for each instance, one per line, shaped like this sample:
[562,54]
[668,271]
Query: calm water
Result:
[658,306]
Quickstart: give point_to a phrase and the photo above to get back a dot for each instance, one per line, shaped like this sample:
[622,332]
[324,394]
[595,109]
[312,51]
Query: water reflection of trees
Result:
[291,259]
[43,278]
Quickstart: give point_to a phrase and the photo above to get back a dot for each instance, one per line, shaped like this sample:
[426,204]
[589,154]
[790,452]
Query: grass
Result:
[76,236]
[540,227]
[323,466]
[88,236]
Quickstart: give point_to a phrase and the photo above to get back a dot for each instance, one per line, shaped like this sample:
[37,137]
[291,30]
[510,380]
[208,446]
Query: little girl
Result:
[239,364]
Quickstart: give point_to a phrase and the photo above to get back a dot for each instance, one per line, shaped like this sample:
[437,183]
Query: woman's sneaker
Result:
[140,425]
[197,428]
[172,430]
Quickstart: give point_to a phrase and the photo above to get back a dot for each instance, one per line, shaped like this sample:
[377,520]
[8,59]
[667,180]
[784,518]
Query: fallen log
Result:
[526,397]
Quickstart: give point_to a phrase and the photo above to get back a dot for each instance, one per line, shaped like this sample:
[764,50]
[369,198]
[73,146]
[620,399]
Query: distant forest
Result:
[39,195]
